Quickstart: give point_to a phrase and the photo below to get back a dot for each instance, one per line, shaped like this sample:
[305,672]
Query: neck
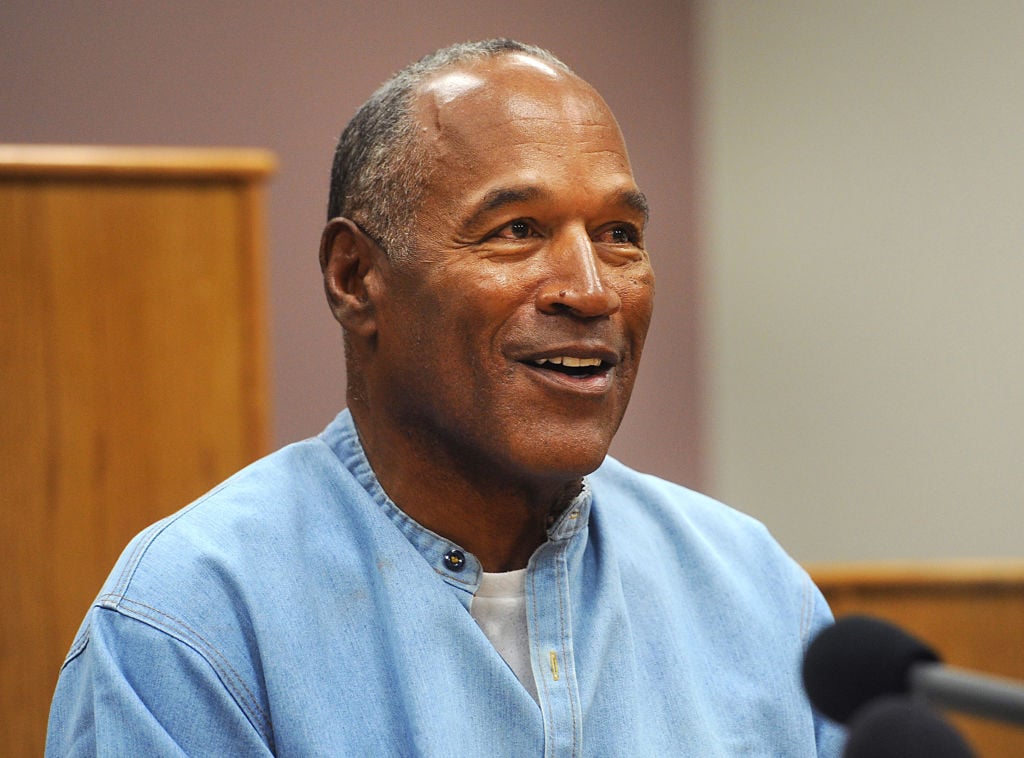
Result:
[498,518]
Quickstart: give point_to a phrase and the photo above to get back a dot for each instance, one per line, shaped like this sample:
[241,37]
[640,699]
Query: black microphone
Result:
[895,727]
[860,658]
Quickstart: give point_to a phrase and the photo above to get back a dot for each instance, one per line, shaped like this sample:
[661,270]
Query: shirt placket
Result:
[549,614]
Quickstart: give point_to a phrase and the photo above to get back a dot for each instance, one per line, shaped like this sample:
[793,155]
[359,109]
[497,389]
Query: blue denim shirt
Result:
[296,611]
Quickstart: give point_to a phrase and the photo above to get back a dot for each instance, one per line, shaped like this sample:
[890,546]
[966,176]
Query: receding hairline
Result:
[394,101]
[483,82]
[474,76]
[382,161]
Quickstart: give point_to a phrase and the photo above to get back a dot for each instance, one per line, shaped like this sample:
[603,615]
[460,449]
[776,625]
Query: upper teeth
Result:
[568,360]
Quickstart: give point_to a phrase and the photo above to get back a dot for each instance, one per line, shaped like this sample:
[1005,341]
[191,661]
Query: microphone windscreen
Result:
[895,727]
[856,660]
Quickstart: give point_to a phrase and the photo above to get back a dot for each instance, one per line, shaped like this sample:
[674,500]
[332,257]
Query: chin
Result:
[565,457]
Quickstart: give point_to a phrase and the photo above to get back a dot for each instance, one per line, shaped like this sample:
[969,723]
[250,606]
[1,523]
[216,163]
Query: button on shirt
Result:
[296,611]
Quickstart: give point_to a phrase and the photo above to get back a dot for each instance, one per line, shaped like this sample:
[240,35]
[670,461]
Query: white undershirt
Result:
[499,607]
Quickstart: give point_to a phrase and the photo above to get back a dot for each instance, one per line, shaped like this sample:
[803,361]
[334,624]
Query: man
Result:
[453,567]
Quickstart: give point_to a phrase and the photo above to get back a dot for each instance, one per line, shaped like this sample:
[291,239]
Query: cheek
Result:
[466,329]
[485,295]
[637,295]
[499,278]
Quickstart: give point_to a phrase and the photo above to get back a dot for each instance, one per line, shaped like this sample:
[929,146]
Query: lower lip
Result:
[592,384]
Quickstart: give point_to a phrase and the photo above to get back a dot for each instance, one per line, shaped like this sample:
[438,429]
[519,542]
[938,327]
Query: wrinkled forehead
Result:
[510,92]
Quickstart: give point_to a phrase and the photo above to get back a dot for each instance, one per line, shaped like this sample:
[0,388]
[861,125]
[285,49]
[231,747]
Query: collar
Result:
[458,567]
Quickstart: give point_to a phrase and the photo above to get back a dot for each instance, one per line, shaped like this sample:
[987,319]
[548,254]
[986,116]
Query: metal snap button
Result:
[455,560]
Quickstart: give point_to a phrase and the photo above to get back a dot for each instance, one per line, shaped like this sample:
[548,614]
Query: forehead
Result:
[515,121]
[510,100]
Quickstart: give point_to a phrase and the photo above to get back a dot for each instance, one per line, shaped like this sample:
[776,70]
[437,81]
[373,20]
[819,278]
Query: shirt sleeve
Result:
[131,689]
[829,735]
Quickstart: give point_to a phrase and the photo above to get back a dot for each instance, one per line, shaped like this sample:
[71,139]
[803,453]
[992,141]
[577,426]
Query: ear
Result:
[350,262]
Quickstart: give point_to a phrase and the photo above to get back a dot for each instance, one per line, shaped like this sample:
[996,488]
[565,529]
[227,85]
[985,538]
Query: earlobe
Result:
[349,262]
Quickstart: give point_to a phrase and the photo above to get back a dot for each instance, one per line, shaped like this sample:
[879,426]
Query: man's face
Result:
[508,337]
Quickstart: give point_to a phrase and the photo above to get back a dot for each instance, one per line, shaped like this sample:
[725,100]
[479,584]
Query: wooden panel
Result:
[94,162]
[132,375]
[971,613]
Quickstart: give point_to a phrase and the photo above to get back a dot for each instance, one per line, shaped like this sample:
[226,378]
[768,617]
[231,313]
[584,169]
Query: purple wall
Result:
[288,76]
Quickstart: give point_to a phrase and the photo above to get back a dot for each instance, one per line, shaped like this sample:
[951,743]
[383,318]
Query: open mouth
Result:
[574,367]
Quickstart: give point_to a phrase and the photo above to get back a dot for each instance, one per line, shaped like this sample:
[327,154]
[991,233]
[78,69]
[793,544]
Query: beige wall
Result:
[865,239]
[287,76]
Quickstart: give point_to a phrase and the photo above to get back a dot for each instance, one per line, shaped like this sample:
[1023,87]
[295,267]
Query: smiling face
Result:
[506,340]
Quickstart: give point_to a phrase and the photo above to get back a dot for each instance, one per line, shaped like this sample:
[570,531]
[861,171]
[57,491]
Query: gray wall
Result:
[287,76]
[865,247]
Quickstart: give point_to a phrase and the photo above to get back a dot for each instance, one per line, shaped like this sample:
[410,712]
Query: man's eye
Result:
[622,235]
[518,230]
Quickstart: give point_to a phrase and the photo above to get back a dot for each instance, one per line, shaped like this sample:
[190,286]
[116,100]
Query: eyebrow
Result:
[498,198]
[636,200]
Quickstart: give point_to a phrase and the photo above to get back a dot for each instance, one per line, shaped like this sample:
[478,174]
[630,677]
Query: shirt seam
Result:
[125,576]
[806,610]
[177,629]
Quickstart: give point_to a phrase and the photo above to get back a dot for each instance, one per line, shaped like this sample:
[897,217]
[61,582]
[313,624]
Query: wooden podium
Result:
[133,374]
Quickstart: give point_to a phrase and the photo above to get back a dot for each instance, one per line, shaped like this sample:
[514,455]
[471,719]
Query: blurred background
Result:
[837,222]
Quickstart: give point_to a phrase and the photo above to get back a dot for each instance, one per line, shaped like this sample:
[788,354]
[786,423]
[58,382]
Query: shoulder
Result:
[626,495]
[725,584]
[251,511]
[255,537]
[694,543]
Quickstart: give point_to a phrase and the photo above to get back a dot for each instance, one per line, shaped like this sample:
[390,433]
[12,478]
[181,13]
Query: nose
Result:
[575,283]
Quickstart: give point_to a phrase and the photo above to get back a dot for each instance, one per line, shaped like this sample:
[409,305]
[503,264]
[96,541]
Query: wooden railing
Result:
[971,612]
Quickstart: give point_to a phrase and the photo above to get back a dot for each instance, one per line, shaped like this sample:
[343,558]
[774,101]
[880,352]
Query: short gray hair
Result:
[380,167]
